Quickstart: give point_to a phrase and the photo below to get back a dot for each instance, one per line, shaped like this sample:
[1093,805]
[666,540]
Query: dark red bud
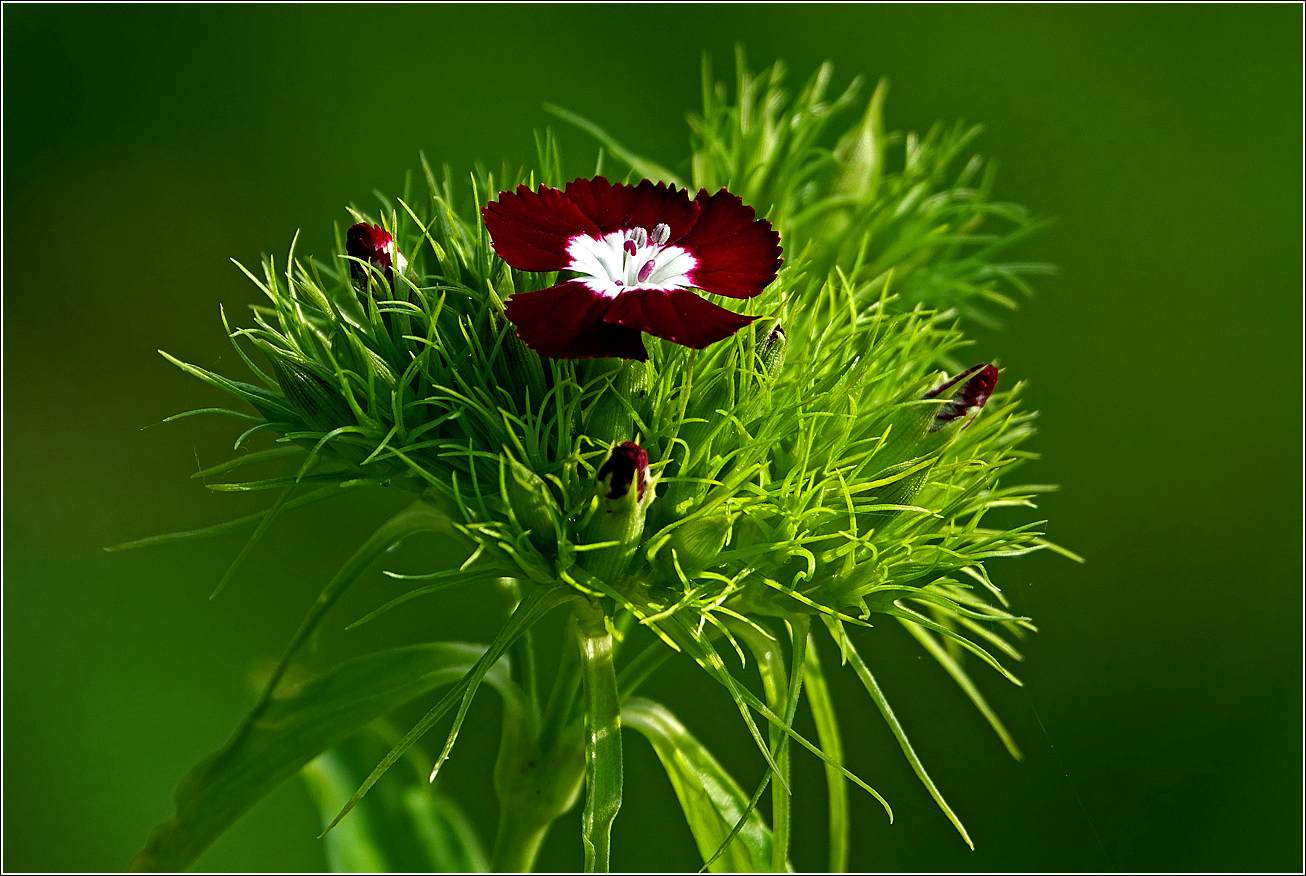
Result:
[369,243]
[628,462]
[976,385]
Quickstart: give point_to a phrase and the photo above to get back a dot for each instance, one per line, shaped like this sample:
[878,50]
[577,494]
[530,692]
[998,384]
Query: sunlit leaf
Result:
[291,730]
[404,825]
[711,800]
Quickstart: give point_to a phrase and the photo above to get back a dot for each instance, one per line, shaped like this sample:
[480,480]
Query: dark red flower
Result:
[372,243]
[627,463]
[977,384]
[637,251]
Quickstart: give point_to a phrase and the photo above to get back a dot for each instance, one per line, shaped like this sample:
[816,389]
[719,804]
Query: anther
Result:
[661,233]
[639,236]
[646,271]
[630,247]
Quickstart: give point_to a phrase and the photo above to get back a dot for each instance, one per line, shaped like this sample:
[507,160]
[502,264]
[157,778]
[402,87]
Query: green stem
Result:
[523,652]
[557,714]
[602,738]
[518,841]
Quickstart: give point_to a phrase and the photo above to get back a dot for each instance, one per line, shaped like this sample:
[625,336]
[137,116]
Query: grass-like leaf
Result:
[711,799]
[877,696]
[404,826]
[287,732]
[827,733]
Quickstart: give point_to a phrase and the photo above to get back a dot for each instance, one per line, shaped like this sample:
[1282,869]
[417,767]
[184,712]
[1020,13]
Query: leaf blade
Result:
[709,797]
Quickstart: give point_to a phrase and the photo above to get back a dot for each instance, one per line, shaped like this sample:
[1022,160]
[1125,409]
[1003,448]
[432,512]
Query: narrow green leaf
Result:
[641,165]
[827,733]
[233,525]
[418,517]
[287,731]
[403,826]
[782,695]
[710,798]
[536,604]
[959,675]
[254,539]
[877,695]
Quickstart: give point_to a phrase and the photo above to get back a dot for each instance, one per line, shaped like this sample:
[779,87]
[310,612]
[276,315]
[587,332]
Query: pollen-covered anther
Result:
[661,233]
[639,237]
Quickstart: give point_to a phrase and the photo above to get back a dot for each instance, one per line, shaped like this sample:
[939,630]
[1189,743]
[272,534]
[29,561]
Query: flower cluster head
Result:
[636,253]
[792,465]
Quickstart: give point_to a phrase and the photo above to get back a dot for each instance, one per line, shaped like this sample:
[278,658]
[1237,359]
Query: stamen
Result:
[661,233]
[646,271]
[639,236]
[630,247]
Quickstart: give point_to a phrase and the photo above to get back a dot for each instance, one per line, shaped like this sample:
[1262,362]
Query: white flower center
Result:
[635,258]
[398,263]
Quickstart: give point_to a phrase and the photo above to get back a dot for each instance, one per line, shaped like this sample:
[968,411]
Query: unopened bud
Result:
[771,344]
[627,464]
[920,435]
[624,491]
[611,416]
[694,545]
[970,390]
[376,246]
[321,407]
[532,504]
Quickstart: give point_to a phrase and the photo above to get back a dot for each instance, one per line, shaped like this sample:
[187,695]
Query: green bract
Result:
[793,477]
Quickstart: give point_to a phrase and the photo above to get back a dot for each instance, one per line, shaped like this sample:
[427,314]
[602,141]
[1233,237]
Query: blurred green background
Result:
[144,146]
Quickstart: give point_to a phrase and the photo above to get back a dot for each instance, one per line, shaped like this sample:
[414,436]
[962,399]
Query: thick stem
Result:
[518,841]
[603,779]
[539,771]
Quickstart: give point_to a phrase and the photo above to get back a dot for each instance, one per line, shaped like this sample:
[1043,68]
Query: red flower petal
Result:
[676,315]
[618,207]
[566,321]
[738,254]
[530,230]
[368,243]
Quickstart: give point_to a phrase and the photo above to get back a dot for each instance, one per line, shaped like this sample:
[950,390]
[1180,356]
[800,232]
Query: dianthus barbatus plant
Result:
[539,361]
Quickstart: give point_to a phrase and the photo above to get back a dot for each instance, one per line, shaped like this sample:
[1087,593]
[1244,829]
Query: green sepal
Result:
[321,408]
[623,386]
[533,504]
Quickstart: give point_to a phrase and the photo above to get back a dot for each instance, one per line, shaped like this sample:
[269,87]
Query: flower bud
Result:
[925,430]
[977,384]
[627,464]
[771,343]
[623,492]
[374,245]
[321,407]
[532,503]
[611,416]
[694,545]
